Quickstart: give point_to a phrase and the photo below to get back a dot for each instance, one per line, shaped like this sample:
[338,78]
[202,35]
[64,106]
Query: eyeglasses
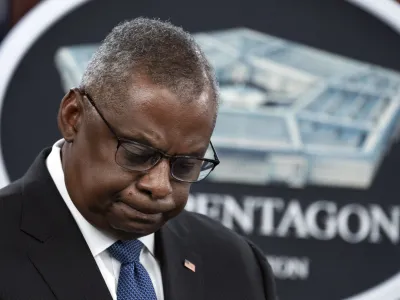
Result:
[135,156]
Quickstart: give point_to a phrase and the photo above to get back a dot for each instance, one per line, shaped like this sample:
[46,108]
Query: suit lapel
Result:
[56,246]
[180,283]
[70,271]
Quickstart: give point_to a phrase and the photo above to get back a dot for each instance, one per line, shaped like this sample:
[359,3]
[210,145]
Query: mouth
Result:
[135,214]
[138,216]
[145,205]
[124,218]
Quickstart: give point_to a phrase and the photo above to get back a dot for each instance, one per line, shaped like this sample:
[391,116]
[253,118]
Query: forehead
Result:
[173,123]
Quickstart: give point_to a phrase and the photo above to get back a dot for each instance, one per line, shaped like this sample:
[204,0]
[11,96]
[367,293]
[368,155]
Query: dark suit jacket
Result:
[43,254]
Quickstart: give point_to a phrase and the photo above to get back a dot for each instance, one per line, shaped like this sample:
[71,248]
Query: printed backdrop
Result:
[307,133]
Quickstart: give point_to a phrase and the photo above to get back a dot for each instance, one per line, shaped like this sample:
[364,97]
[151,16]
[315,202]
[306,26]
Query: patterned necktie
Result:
[134,282]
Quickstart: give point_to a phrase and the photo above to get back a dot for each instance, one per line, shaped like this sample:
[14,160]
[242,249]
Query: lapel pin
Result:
[190,266]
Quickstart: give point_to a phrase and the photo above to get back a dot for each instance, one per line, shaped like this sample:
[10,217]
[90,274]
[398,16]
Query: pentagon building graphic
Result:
[290,114]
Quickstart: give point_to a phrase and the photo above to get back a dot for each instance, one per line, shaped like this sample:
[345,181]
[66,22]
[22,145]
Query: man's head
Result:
[148,84]
[145,48]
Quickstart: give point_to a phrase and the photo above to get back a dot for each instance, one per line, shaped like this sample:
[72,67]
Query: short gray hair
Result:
[165,53]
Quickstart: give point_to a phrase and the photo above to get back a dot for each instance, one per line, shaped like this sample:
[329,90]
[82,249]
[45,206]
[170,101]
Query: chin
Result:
[133,231]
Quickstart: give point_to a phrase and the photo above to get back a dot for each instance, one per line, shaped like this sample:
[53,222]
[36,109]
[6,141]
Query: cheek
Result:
[97,146]
[180,196]
[99,171]
[105,183]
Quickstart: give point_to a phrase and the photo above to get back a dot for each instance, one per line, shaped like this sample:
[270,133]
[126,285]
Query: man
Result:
[100,215]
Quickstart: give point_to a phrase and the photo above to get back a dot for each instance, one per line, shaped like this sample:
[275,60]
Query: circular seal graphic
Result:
[19,40]
[307,133]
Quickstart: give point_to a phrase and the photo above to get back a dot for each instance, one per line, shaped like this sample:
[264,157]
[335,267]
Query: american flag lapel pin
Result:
[189,265]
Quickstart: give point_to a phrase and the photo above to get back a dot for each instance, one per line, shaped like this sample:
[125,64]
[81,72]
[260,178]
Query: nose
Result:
[157,181]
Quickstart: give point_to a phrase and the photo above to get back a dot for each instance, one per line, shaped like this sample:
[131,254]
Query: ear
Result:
[70,115]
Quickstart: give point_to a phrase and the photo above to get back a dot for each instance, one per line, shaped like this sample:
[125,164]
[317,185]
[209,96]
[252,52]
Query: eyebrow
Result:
[144,141]
[137,139]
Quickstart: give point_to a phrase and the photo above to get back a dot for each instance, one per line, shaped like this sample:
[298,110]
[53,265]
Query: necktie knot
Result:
[126,251]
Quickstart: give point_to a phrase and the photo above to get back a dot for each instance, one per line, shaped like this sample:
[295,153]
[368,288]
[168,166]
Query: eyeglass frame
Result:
[169,157]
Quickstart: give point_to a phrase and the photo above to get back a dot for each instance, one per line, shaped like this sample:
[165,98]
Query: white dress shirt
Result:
[99,241]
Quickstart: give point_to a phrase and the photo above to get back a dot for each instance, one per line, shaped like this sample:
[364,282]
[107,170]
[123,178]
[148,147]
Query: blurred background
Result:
[308,129]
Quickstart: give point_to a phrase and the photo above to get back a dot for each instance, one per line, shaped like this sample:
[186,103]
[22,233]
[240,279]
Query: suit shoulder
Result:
[11,190]
[9,196]
[224,249]
[208,230]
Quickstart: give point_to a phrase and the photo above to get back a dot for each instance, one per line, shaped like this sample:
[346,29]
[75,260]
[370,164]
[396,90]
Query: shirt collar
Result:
[97,240]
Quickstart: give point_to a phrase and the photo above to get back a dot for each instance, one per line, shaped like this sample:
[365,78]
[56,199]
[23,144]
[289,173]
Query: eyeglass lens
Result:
[138,157]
